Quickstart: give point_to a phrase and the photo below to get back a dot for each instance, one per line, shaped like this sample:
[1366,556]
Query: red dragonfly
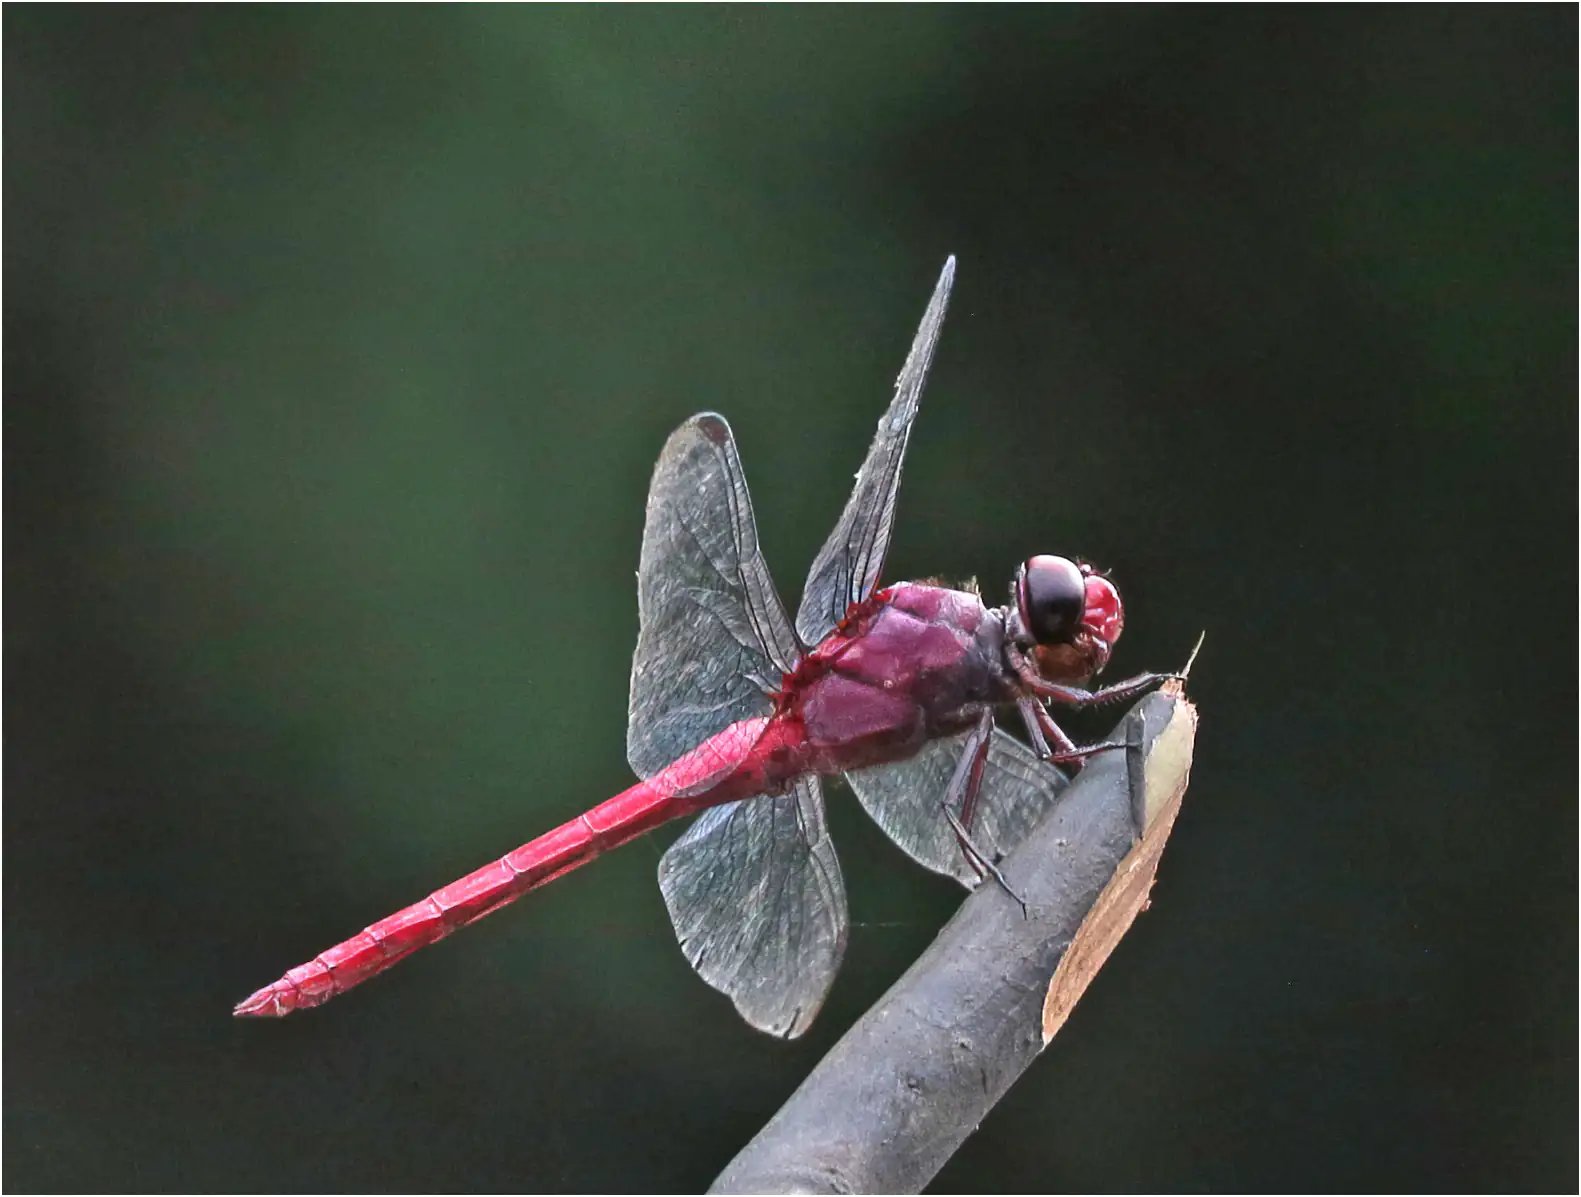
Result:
[738,714]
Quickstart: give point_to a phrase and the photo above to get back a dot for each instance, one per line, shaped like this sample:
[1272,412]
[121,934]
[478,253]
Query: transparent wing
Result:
[847,568]
[713,636]
[755,894]
[903,799]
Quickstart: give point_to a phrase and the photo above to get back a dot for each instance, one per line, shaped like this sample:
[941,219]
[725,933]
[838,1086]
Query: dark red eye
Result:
[1051,593]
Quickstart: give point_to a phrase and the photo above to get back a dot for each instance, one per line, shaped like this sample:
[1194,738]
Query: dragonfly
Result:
[737,714]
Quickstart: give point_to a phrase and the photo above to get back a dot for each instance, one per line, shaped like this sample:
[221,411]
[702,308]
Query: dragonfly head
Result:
[1069,615]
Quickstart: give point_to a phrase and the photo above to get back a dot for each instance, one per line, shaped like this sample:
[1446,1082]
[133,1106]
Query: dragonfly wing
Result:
[756,897]
[714,638]
[847,569]
[903,798]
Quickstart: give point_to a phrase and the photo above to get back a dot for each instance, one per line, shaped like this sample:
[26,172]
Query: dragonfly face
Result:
[1068,616]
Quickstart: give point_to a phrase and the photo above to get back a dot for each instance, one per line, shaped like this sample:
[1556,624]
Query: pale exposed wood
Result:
[1167,773]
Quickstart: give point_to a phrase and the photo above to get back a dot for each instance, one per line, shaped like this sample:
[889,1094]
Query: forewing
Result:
[848,567]
[755,894]
[904,799]
[713,636]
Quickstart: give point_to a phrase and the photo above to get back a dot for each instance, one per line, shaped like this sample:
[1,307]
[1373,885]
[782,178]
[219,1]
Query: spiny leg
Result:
[1075,696]
[964,786]
[1042,731]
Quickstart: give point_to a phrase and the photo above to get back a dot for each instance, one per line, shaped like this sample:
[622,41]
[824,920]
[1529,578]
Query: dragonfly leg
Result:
[1041,728]
[968,776]
[1049,740]
[1078,755]
[979,861]
[963,789]
[1076,696]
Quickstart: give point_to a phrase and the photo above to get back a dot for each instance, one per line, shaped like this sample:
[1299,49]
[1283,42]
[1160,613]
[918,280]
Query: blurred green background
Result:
[340,343]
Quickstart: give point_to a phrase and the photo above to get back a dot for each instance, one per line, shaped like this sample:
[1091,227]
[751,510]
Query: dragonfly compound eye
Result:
[1052,595]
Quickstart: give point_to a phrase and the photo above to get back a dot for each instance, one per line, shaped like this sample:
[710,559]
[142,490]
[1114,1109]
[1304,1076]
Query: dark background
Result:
[339,346]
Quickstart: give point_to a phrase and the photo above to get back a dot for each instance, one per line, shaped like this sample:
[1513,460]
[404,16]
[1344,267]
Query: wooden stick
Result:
[891,1102]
